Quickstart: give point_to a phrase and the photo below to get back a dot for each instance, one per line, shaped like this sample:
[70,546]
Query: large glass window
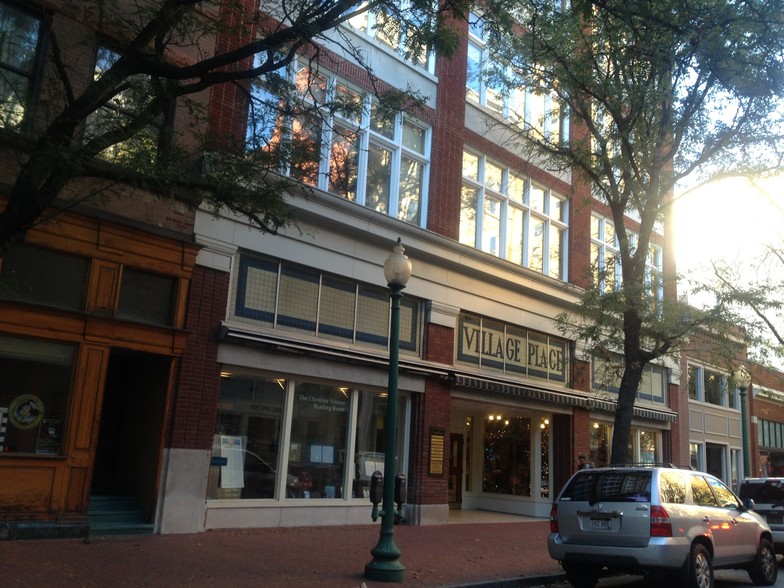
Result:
[710,386]
[606,260]
[247,438]
[399,36]
[253,458]
[34,396]
[19,41]
[142,148]
[606,376]
[508,215]
[507,455]
[537,112]
[147,297]
[307,301]
[353,149]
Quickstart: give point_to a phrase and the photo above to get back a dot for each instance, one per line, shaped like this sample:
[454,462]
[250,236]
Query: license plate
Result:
[600,523]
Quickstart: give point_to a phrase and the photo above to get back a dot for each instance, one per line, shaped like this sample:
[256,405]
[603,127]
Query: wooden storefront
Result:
[91,327]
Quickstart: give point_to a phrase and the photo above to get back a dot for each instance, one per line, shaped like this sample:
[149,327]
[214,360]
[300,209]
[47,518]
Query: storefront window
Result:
[318,442]
[247,437]
[252,458]
[544,425]
[34,395]
[507,455]
[371,439]
[600,445]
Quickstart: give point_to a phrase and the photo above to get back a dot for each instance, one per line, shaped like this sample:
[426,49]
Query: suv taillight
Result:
[660,522]
[554,518]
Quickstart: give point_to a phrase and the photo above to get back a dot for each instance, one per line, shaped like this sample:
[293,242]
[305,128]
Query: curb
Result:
[522,581]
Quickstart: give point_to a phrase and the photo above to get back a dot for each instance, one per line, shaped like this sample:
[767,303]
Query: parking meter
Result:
[400,490]
[376,488]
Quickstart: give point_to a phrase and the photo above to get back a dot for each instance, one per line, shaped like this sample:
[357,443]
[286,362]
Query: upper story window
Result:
[354,150]
[606,259]
[533,109]
[399,36]
[20,35]
[508,215]
[302,300]
[711,386]
[606,376]
[142,147]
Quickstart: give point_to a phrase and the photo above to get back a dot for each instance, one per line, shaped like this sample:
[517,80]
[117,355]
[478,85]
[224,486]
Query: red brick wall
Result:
[447,142]
[431,410]
[195,404]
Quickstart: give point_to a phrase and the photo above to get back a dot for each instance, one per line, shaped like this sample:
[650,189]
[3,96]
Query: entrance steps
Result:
[117,515]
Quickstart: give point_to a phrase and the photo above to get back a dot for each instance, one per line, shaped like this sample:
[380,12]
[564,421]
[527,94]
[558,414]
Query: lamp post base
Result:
[385,571]
[386,566]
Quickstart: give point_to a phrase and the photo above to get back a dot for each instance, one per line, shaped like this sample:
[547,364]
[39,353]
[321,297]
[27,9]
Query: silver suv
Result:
[768,497]
[662,520]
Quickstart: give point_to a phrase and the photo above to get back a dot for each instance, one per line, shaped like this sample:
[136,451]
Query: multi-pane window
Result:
[400,36]
[265,459]
[710,386]
[354,148]
[20,35]
[508,215]
[606,259]
[535,110]
[307,301]
[142,147]
[606,376]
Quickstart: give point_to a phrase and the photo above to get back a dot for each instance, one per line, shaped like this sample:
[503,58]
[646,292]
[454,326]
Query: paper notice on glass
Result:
[233,473]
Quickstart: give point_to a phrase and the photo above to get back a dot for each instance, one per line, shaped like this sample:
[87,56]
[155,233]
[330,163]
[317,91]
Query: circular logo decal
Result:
[26,411]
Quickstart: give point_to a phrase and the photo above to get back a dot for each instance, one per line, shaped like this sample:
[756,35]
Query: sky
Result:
[730,220]
[733,221]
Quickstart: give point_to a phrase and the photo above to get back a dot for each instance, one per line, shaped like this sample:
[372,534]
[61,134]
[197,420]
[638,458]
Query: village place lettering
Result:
[512,349]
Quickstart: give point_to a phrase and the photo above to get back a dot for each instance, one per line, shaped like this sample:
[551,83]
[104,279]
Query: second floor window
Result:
[606,260]
[19,41]
[330,136]
[510,216]
[141,149]
[710,386]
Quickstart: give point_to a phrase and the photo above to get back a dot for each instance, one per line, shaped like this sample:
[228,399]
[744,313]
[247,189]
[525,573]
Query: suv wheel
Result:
[764,570]
[699,568]
[581,575]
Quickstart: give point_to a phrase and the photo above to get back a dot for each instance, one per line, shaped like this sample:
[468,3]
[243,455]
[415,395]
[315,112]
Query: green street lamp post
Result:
[743,380]
[385,566]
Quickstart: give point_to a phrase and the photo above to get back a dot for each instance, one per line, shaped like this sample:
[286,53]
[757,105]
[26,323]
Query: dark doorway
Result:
[127,460]
[455,471]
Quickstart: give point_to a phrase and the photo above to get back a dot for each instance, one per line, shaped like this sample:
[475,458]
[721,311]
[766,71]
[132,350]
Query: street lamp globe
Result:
[742,377]
[397,267]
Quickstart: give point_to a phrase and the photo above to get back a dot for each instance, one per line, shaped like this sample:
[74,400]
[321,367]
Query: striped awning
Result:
[568,397]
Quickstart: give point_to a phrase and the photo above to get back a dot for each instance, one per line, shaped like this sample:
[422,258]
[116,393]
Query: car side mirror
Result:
[748,504]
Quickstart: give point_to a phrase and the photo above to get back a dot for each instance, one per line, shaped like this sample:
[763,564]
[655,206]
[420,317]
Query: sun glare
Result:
[732,220]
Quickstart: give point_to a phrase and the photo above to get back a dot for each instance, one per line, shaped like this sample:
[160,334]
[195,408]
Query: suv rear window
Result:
[769,491]
[590,486]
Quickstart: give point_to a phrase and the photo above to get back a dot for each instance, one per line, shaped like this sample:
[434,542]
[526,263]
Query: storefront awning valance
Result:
[567,397]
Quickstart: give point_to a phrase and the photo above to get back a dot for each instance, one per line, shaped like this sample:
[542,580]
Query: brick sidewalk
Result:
[320,557]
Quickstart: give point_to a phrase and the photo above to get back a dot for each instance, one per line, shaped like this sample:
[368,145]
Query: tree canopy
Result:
[659,94]
[83,129]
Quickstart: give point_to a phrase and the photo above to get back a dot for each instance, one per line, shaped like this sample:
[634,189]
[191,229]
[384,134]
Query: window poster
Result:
[50,433]
[233,473]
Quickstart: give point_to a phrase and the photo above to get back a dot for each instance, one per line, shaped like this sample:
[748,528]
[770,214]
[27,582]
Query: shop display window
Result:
[247,438]
[317,447]
[252,457]
[507,455]
[34,396]
[371,439]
